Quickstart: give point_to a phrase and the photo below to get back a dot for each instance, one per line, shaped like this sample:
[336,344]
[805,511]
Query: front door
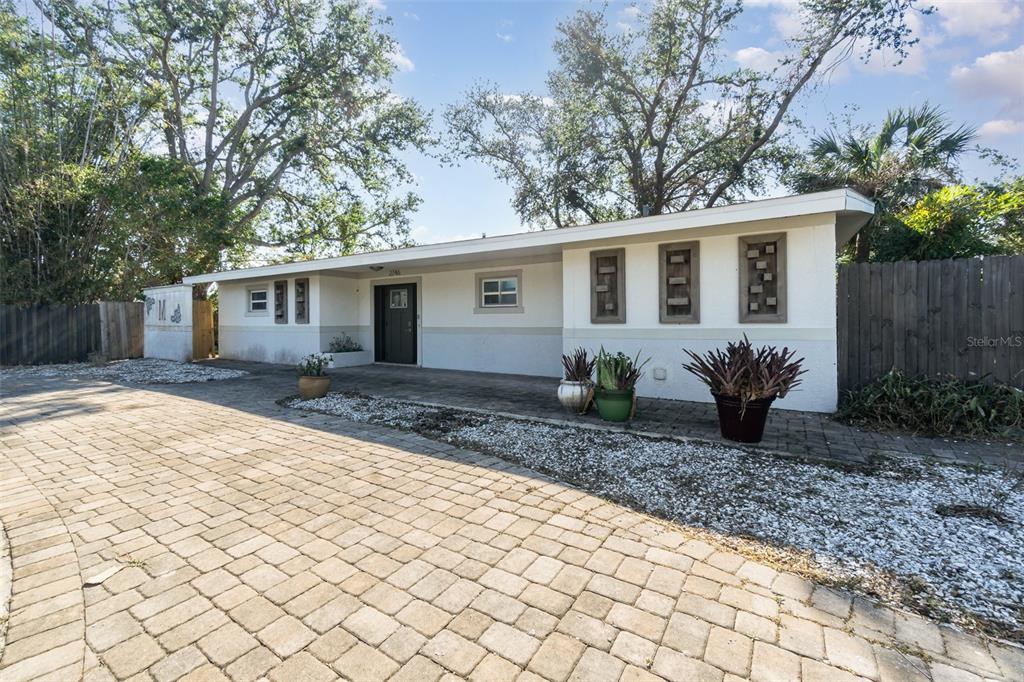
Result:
[395,323]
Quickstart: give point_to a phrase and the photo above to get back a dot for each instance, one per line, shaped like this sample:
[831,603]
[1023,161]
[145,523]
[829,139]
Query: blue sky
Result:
[970,61]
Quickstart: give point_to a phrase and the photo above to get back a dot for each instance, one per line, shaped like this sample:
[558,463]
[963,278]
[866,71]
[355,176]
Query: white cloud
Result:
[376,5]
[997,75]
[401,60]
[631,12]
[758,58]
[505,37]
[990,21]
[1001,127]
[411,15]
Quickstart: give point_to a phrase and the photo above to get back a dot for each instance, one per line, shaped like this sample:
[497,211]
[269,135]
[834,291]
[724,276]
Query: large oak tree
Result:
[282,109]
[656,118]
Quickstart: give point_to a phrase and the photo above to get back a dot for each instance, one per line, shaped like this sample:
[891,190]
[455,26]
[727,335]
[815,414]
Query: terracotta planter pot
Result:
[311,388]
[747,427]
[575,396]
[615,406]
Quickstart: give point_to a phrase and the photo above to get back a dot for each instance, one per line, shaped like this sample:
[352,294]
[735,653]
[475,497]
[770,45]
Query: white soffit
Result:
[544,242]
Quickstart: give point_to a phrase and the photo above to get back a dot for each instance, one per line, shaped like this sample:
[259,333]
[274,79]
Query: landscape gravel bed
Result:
[945,540]
[141,371]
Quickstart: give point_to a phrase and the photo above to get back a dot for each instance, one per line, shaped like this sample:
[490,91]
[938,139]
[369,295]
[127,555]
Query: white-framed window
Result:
[499,292]
[258,301]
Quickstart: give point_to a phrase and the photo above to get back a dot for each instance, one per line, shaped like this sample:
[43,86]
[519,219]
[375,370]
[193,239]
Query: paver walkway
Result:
[257,542]
[796,433]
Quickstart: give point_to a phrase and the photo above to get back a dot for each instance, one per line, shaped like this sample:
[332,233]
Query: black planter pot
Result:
[748,428]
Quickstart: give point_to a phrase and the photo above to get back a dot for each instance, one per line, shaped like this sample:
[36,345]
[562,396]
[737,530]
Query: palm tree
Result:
[914,152]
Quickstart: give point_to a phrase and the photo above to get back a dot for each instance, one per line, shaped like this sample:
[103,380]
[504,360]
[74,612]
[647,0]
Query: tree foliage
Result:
[84,213]
[146,139]
[958,221]
[915,151]
[654,119]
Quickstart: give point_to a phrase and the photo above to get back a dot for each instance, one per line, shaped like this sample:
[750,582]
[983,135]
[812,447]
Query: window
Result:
[302,301]
[281,302]
[608,286]
[679,276]
[763,278]
[257,301]
[499,292]
[399,299]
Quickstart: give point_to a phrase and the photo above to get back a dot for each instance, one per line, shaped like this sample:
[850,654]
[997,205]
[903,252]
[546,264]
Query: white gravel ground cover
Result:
[877,531]
[142,371]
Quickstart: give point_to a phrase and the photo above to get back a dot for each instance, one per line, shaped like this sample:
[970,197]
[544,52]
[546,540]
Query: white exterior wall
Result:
[810,327]
[339,302]
[255,337]
[167,331]
[452,336]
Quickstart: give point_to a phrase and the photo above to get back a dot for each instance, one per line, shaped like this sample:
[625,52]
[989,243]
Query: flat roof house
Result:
[513,303]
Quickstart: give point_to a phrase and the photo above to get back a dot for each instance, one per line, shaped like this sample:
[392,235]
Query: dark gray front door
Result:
[396,323]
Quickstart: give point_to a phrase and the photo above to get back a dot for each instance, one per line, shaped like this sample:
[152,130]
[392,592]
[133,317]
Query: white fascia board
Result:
[833,201]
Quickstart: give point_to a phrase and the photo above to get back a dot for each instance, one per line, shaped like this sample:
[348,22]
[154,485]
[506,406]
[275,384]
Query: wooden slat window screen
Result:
[763,278]
[281,302]
[302,301]
[608,286]
[679,288]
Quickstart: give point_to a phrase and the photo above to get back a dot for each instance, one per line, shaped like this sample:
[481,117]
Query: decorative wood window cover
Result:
[281,301]
[679,277]
[302,301]
[763,278]
[257,300]
[608,286]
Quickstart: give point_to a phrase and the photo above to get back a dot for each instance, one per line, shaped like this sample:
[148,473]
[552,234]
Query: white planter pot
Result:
[574,395]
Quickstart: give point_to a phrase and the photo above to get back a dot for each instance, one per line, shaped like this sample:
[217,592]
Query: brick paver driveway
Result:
[255,541]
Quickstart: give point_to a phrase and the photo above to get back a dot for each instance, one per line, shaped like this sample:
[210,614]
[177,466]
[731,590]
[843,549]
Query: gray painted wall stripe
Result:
[684,332]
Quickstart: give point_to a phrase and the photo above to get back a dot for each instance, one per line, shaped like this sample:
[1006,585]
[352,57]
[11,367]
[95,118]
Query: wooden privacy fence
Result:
[58,332]
[961,317]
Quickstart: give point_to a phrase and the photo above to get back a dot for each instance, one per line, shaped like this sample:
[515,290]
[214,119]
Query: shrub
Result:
[936,406]
[344,344]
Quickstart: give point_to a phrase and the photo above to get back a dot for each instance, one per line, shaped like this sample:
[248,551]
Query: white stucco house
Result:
[514,303]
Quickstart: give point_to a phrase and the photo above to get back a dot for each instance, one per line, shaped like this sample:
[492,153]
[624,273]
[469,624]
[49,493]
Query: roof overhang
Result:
[852,211]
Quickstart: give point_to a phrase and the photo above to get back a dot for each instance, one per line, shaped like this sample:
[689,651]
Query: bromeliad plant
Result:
[616,385]
[618,372]
[746,374]
[579,366]
[744,383]
[576,390]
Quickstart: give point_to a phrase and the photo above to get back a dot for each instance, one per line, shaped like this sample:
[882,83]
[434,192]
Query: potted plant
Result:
[576,390]
[313,379]
[615,393]
[745,382]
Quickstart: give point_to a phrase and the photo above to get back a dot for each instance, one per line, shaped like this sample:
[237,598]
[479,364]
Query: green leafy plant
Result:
[578,366]
[314,365]
[936,406]
[618,372]
[745,373]
[344,344]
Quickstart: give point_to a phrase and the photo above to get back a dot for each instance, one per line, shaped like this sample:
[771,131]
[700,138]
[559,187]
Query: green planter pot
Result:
[614,406]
